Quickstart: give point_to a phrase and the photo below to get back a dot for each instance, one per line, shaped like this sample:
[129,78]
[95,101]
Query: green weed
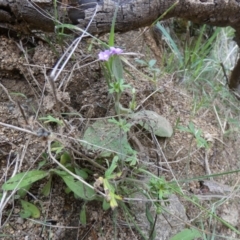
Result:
[105,144]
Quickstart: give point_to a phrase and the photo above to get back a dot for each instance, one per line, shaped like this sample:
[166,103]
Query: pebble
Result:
[20,220]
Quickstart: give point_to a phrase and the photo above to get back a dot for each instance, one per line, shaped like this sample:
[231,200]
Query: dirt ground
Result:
[24,67]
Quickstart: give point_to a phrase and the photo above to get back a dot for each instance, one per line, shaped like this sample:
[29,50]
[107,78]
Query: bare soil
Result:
[24,67]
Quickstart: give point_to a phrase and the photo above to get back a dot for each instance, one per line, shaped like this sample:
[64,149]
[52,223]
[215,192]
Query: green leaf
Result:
[150,219]
[57,147]
[184,129]
[152,62]
[105,205]
[117,67]
[25,213]
[59,172]
[41,164]
[24,179]
[149,214]
[192,128]
[133,160]
[18,94]
[187,234]
[112,167]
[107,138]
[142,62]
[81,190]
[118,86]
[151,121]
[65,158]
[121,123]
[81,173]
[22,192]
[170,42]
[70,167]
[67,190]
[112,32]
[83,217]
[35,213]
[46,189]
[51,119]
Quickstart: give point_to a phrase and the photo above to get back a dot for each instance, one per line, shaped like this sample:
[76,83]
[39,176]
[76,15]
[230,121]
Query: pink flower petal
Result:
[104,55]
[115,50]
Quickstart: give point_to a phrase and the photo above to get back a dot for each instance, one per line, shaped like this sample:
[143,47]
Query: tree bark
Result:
[26,15]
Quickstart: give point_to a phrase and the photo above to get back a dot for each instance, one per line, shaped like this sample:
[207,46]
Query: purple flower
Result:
[115,50]
[105,55]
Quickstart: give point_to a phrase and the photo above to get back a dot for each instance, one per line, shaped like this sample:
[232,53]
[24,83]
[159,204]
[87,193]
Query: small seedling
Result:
[150,65]
[161,189]
[51,119]
[121,123]
[201,142]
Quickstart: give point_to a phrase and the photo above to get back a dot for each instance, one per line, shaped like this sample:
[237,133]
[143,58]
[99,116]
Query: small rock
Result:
[229,213]
[20,220]
[164,230]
